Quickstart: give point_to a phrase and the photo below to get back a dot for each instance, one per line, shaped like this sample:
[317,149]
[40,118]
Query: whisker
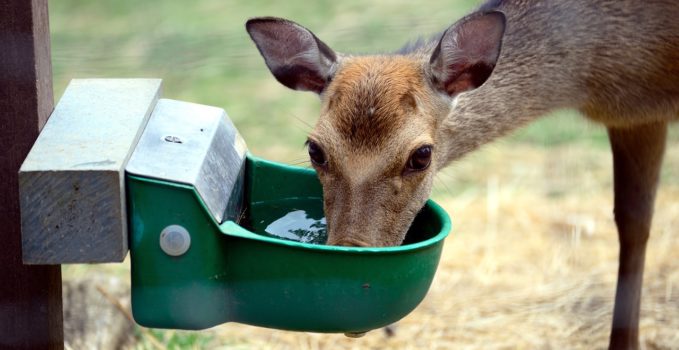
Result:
[308,126]
[446,174]
[298,162]
[441,182]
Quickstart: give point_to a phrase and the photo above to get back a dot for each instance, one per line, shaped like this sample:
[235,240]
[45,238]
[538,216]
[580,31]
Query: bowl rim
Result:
[233,229]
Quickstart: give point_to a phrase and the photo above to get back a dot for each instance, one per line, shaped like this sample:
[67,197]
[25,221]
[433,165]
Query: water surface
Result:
[300,220]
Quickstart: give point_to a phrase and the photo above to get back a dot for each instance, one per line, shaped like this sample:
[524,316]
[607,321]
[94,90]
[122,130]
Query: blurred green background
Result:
[201,51]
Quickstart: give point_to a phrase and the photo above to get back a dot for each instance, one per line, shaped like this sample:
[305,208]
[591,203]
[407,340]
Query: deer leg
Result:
[637,158]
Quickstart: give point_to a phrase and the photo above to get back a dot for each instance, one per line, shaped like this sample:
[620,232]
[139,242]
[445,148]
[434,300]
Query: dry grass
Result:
[532,259]
[531,262]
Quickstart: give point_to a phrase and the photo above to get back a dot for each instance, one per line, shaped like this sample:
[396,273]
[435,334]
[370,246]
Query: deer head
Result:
[382,131]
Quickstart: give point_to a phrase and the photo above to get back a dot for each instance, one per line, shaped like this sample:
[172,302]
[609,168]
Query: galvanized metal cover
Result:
[196,145]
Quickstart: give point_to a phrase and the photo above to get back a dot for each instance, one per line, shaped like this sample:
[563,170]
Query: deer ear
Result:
[293,54]
[467,52]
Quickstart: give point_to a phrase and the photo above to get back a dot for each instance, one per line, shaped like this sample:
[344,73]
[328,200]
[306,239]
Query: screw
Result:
[173,139]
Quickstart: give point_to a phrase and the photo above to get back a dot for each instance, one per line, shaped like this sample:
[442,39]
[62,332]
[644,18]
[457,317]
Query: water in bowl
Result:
[298,226]
[300,220]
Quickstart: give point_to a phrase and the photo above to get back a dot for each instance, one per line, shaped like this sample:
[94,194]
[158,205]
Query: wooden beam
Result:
[72,183]
[30,296]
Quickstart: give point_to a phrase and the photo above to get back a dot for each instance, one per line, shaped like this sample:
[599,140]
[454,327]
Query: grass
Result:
[174,340]
[532,258]
[204,55]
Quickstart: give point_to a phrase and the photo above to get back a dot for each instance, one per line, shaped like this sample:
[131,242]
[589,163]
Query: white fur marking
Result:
[456,100]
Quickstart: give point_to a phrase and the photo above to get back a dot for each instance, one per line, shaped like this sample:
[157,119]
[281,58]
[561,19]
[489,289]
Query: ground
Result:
[532,257]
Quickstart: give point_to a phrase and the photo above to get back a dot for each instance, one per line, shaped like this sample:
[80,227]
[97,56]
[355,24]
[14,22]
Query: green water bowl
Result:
[232,274]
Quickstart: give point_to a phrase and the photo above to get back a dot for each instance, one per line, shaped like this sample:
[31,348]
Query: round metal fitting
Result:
[175,240]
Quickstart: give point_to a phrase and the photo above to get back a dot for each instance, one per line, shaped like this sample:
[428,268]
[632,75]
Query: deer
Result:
[389,122]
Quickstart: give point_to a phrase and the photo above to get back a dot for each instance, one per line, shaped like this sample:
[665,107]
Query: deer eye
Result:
[420,159]
[316,153]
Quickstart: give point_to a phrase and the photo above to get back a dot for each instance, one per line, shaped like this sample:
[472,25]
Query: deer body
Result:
[388,122]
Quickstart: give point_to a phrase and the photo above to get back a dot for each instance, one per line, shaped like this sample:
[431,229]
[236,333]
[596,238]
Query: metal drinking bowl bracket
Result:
[198,146]
[72,183]
[115,160]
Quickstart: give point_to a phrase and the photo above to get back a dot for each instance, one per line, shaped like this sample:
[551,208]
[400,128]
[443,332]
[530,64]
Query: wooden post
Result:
[71,184]
[30,296]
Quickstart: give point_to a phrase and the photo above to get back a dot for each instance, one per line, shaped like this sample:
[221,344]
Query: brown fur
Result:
[370,100]
[617,61]
[371,96]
